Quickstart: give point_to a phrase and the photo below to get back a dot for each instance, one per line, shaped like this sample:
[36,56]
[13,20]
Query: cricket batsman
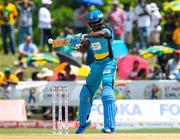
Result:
[103,70]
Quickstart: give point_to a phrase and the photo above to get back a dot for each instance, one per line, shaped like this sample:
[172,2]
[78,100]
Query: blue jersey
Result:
[102,46]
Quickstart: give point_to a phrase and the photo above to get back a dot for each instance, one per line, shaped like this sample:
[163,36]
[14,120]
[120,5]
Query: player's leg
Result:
[108,97]
[86,94]
[84,109]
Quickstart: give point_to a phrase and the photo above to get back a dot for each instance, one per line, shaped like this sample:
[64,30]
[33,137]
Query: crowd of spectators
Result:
[146,19]
[171,70]
[124,20]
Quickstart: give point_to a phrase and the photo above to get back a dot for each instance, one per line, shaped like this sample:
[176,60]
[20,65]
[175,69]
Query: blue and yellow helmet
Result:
[95,20]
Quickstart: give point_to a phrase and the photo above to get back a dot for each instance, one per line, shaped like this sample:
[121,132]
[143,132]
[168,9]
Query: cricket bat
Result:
[59,42]
[74,41]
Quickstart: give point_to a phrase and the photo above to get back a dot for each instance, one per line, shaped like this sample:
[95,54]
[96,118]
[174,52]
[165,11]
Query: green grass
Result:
[89,131]
[37,131]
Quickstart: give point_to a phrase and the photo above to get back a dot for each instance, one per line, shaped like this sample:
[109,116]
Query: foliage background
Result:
[63,14]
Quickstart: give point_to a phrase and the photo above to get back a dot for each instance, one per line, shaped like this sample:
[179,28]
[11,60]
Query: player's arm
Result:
[98,34]
[84,46]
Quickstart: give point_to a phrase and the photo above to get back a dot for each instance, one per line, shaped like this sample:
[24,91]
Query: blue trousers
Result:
[8,31]
[143,33]
[24,30]
[101,71]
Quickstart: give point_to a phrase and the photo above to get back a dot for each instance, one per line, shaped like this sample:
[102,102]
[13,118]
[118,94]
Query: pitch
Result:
[91,134]
[128,136]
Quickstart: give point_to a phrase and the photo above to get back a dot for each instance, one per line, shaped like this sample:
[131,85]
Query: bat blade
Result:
[60,42]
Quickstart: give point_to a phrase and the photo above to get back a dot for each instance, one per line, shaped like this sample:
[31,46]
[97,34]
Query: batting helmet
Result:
[96,20]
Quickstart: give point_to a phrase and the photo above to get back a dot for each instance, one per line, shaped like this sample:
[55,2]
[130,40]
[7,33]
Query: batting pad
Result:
[109,114]
[85,105]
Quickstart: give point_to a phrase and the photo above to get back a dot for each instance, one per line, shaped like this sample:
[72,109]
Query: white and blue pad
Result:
[85,105]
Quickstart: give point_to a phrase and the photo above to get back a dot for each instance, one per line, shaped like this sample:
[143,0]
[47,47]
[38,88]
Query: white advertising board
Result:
[141,113]
[39,93]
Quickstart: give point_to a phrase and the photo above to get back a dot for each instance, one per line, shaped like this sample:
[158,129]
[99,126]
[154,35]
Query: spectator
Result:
[27,49]
[1,78]
[133,74]
[45,23]
[176,74]
[80,21]
[172,64]
[142,74]
[116,19]
[143,12]
[162,61]
[157,73]
[9,78]
[130,17]
[176,35]
[169,28]
[20,74]
[61,77]
[25,8]
[34,76]
[8,12]
[68,75]
[155,27]
[45,74]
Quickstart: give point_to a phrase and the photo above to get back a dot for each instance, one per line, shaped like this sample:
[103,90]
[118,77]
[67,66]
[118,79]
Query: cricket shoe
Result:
[81,129]
[107,130]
